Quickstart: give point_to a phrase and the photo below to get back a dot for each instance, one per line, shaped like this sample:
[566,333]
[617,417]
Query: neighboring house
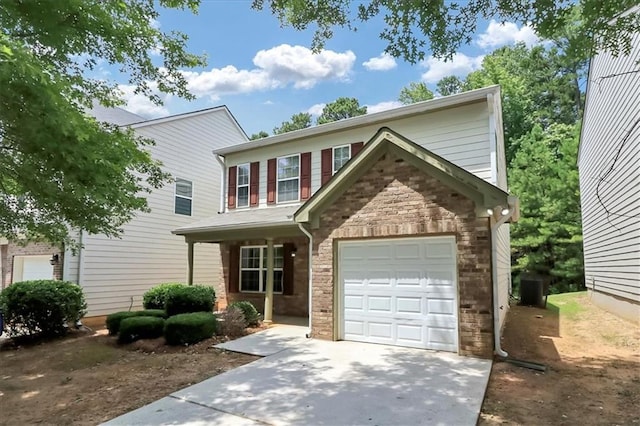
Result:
[115,272]
[609,166]
[403,210]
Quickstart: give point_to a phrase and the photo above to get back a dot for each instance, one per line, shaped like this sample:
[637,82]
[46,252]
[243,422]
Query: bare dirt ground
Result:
[87,378]
[593,360]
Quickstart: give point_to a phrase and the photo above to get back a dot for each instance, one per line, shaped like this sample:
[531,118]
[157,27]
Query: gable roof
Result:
[470,97]
[115,115]
[484,194]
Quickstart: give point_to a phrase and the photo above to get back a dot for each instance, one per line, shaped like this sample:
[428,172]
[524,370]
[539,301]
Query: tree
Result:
[59,168]
[450,85]
[415,92]
[298,121]
[448,25]
[340,109]
[261,134]
[548,237]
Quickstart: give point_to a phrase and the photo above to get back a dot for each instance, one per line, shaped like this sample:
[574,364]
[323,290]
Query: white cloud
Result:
[316,109]
[499,34]
[459,65]
[383,106]
[140,104]
[276,67]
[384,62]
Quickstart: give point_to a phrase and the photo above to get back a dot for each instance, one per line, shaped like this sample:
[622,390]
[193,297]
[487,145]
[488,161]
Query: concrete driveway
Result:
[313,382]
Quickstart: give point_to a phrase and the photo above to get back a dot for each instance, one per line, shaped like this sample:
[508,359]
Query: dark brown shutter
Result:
[305,175]
[234,269]
[254,184]
[271,181]
[231,193]
[326,166]
[287,268]
[355,148]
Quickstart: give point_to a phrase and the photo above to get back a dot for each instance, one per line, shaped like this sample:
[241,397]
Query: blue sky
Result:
[265,73]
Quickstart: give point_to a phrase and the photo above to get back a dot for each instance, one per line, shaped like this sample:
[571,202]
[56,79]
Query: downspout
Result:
[310,271]
[494,276]
[223,184]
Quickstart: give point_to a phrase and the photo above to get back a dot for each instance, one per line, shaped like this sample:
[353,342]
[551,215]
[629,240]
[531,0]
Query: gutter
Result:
[310,271]
[504,217]
[223,182]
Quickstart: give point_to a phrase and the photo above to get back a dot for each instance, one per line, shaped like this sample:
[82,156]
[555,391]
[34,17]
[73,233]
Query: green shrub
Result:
[114,320]
[251,315]
[193,298]
[189,328]
[42,307]
[140,327]
[156,297]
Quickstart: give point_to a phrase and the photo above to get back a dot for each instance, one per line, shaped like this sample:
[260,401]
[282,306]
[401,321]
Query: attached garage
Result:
[400,291]
[27,268]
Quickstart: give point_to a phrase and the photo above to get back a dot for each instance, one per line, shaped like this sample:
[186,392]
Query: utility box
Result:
[533,290]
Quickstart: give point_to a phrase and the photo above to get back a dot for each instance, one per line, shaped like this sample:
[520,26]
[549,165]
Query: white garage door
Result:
[400,292]
[27,268]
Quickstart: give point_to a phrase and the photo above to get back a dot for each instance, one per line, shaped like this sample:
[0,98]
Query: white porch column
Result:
[268,296]
[190,263]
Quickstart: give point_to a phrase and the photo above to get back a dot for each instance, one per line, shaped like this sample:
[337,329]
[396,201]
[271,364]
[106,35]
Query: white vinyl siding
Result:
[503,262]
[612,242]
[242,190]
[115,273]
[460,135]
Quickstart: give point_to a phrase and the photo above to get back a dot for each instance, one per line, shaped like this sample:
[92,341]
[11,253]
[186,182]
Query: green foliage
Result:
[251,315]
[261,134]
[415,92]
[59,168]
[140,327]
[186,329]
[340,109]
[41,307]
[298,121]
[156,297]
[195,298]
[450,85]
[414,28]
[548,237]
[114,320]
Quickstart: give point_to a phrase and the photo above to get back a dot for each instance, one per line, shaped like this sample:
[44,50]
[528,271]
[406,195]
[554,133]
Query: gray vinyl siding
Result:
[612,242]
[114,273]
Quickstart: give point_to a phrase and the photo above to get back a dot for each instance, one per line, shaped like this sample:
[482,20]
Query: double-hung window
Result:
[253,269]
[183,197]
[243,185]
[288,178]
[341,154]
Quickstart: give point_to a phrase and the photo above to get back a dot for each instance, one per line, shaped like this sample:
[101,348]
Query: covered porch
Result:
[264,257]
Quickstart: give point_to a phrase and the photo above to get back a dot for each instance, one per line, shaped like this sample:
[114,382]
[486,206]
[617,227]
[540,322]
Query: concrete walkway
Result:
[313,382]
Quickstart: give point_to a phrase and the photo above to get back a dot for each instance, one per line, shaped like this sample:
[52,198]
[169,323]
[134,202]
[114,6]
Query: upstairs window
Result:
[183,197]
[288,178]
[253,269]
[341,154]
[243,185]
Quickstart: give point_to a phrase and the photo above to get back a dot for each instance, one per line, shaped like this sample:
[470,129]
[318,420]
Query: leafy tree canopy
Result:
[413,27]
[261,134]
[450,85]
[60,168]
[340,109]
[302,120]
[415,92]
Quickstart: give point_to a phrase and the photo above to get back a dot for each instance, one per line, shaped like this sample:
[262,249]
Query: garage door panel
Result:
[403,293]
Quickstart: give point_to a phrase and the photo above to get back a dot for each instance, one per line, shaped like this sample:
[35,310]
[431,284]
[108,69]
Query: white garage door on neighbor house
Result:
[400,292]
[27,268]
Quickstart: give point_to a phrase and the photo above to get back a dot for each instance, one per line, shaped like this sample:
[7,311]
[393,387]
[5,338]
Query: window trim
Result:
[248,165]
[333,157]
[297,200]
[176,195]
[261,284]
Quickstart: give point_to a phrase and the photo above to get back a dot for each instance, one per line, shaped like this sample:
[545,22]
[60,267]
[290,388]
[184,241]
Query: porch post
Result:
[190,263]
[268,296]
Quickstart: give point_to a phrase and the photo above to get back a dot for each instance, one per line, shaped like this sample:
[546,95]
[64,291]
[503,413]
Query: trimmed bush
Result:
[156,297]
[193,298]
[114,320]
[251,315]
[186,329]
[41,307]
[140,327]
